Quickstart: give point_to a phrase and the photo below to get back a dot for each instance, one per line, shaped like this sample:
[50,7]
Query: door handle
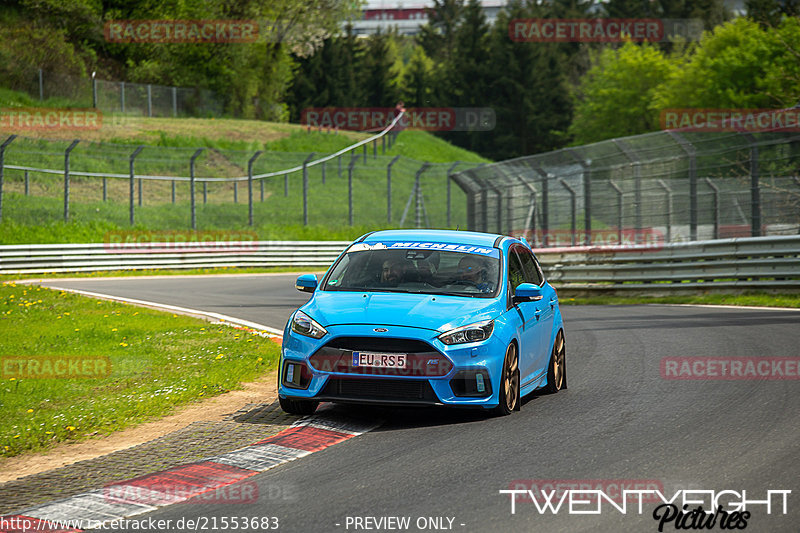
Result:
[537,313]
[553,302]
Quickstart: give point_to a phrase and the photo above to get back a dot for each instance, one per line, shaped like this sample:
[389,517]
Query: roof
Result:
[449,236]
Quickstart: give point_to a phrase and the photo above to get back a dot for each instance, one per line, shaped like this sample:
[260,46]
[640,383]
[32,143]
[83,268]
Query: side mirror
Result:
[306,283]
[527,292]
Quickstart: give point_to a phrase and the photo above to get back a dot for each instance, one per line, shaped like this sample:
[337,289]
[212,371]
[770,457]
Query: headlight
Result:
[479,331]
[305,325]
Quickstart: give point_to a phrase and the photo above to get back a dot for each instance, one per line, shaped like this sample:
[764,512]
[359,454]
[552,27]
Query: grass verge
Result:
[754,299]
[158,361]
[152,272]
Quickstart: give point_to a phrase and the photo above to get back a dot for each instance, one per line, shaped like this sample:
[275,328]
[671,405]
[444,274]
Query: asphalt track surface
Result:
[619,420]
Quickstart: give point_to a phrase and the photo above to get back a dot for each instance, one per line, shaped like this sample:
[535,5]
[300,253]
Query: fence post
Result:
[122,96]
[2,169]
[637,183]
[619,209]
[173,191]
[692,153]
[353,160]
[383,144]
[286,185]
[365,153]
[132,178]
[715,191]
[27,184]
[41,85]
[191,187]
[250,187]
[105,189]
[340,165]
[66,178]
[141,194]
[755,188]
[389,189]
[448,178]
[545,177]
[261,182]
[572,194]
[149,100]
[374,148]
[205,192]
[94,90]
[587,196]
[323,172]
[236,192]
[305,187]
[669,209]
[174,101]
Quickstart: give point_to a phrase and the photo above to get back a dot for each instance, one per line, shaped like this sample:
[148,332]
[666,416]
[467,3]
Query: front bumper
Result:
[440,375]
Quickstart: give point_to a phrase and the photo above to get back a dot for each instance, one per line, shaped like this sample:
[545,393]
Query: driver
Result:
[392,272]
[472,269]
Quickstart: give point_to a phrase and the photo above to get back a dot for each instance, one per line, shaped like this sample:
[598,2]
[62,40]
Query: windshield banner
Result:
[418,245]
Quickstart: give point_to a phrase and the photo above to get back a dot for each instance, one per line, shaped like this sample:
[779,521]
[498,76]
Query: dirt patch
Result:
[211,410]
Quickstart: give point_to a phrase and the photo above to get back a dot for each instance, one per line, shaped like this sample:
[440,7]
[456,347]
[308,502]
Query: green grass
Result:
[158,361]
[754,299]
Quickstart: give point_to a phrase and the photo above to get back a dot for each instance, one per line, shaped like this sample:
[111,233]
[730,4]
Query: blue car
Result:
[425,317]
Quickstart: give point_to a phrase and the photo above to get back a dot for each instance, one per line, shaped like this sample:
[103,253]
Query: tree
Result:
[739,65]
[615,98]
[377,76]
[417,84]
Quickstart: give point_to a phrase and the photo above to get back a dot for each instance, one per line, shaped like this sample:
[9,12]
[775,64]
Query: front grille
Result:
[422,358]
[390,390]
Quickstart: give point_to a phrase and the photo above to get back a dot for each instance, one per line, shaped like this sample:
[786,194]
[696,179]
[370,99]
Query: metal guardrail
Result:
[759,262]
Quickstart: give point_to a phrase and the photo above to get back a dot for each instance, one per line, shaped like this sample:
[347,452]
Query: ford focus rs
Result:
[413,317]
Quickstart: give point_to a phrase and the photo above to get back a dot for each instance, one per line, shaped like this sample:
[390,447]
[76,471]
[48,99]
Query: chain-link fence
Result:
[122,97]
[176,188]
[653,188]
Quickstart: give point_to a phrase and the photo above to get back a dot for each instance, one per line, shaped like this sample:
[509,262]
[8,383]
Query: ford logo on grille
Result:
[380,330]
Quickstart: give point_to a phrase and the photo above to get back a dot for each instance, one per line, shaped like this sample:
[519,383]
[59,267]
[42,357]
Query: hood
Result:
[429,311]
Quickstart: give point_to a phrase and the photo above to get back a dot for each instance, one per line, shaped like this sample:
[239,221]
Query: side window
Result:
[532,273]
[516,272]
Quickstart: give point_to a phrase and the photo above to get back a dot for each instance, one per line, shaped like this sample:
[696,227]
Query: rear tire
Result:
[557,369]
[298,407]
[509,383]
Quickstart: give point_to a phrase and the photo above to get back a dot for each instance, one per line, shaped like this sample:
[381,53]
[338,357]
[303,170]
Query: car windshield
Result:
[417,271]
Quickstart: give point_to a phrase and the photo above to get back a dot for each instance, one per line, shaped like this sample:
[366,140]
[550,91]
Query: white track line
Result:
[179,310]
[733,307]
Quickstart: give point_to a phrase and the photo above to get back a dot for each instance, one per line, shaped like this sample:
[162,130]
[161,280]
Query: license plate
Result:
[380,360]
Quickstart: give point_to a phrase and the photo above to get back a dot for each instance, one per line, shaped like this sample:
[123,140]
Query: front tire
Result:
[298,407]
[557,369]
[509,383]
